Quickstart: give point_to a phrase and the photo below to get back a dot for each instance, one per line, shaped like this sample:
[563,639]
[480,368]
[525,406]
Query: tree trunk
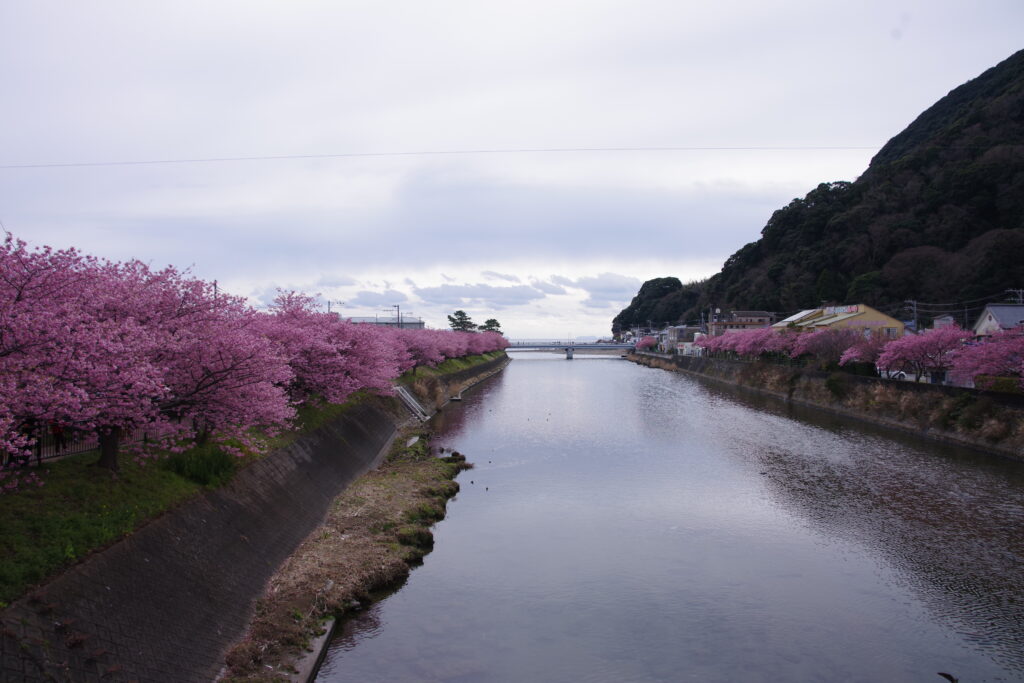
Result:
[110,442]
[203,434]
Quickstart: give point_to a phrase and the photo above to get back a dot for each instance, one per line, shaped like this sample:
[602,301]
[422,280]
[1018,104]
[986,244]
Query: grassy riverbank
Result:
[82,508]
[375,531]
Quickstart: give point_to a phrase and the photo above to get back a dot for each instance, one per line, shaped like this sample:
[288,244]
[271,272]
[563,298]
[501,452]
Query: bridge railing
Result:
[567,345]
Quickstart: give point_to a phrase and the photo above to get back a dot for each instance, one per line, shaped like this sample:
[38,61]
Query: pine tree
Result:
[460,322]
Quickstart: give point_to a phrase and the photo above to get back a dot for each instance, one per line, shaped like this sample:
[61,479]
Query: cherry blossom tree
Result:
[750,343]
[930,351]
[68,362]
[117,346]
[224,376]
[867,350]
[645,343]
[423,347]
[1001,355]
[330,358]
[754,342]
[826,345]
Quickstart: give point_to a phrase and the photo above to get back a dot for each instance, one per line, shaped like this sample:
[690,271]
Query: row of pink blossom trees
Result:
[89,344]
[950,349]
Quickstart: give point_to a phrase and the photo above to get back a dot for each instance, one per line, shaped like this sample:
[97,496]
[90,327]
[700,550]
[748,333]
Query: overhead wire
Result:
[960,303]
[443,152]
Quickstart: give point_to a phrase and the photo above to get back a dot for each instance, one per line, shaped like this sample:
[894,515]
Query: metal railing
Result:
[53,443]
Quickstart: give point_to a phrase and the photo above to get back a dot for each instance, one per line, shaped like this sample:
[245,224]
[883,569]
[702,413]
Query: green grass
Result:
[449,366]
[79,508]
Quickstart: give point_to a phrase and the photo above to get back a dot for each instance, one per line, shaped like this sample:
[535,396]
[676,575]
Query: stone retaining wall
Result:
[989,421]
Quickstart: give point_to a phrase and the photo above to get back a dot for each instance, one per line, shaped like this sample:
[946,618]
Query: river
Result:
[624,523]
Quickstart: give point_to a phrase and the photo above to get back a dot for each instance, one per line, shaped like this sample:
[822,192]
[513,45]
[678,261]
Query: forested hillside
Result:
[938,217]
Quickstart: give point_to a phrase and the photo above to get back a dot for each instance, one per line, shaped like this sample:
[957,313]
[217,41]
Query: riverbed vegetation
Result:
[375,532]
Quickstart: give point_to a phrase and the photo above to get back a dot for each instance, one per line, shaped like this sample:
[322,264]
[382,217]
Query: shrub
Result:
[207,465]
[838,385]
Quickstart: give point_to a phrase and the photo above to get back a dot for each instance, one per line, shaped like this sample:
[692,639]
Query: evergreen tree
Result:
[460,322]
[491,325]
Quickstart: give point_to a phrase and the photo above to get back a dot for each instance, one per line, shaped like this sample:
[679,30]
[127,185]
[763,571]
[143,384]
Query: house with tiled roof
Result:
[740,320]
[997,317]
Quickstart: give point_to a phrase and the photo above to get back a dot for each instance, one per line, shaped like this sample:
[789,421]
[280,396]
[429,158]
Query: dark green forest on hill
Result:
[938,216]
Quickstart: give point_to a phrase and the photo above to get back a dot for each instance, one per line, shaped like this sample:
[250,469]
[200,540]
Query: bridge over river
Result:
[568,346]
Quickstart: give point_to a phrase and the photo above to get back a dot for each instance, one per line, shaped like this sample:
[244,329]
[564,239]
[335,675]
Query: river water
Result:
[631,524]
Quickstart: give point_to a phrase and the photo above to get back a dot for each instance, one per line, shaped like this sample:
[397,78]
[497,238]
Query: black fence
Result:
[58,442]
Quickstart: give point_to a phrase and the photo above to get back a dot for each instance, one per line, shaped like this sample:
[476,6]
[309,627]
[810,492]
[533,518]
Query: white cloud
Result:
[491,275]
[608,289]
[479,295]
[369,299]
[335,281]
[547,287]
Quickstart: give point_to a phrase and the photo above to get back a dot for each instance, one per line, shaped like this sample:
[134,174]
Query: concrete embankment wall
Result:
[989,421]
[165,603]
[434,391]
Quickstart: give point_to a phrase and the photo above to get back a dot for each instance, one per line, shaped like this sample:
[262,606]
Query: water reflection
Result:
[625,523]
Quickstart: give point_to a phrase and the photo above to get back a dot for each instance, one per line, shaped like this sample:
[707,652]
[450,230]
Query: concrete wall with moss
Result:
[434,389]
[990,421]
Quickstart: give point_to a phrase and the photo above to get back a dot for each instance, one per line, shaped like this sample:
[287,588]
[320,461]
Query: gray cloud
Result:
[483,295]
[492,275]
[564,281]
[371,299]
[547,287]
[608,289]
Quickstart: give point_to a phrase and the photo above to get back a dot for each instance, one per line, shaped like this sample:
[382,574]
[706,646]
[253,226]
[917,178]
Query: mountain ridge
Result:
[938,215]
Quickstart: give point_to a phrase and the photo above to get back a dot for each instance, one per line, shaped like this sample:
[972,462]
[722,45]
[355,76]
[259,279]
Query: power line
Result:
[968,301]
[448,152]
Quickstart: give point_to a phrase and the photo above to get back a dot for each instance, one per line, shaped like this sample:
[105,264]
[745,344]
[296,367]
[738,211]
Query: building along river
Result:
[630,524]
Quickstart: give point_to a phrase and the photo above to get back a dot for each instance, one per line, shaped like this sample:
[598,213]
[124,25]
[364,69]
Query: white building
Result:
[998,317]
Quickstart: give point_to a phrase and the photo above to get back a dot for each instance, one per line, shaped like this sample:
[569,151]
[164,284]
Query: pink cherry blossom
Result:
[1001,355]
[929,351]
[121,347]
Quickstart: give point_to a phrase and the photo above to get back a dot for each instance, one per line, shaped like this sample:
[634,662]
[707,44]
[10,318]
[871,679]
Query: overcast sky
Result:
[550,243]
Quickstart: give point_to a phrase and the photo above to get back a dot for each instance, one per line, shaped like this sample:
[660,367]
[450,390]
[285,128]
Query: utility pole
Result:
[398,314]
[913,304]
[329,302]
